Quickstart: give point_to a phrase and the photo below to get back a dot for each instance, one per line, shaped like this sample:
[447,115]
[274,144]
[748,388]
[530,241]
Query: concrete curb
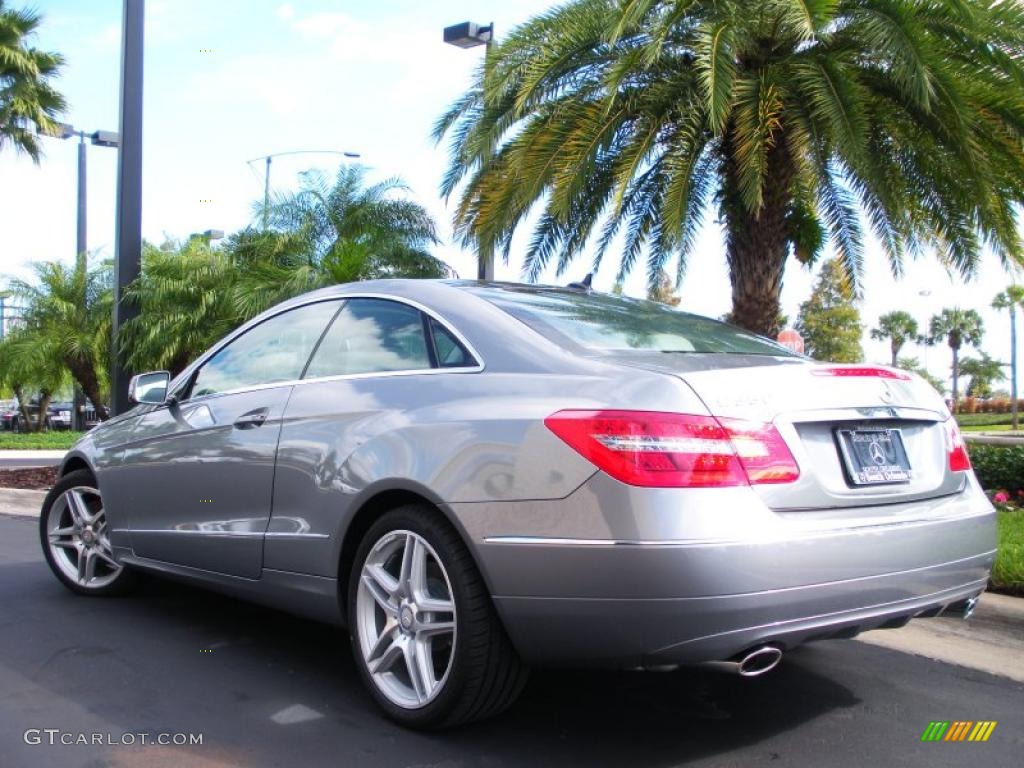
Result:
[992,640]
[991,438]
[49,456]
[21,503]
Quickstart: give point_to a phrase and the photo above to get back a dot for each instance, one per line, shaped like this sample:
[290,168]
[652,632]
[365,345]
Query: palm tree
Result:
[625,120]
[957,327]
[29,104]
[190,294]
[1010,299]
[184,295]
[983,371]
[68,318]
[899,328]
[333,231]
[26,367]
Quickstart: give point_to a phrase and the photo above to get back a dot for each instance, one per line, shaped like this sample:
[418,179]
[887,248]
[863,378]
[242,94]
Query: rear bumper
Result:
[569,632]
[576,601]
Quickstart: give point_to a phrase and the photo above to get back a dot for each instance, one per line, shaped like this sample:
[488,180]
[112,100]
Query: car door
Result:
[199,472]
[368,367]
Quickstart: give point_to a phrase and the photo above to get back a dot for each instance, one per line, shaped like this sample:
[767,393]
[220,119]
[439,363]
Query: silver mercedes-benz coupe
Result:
[477,477]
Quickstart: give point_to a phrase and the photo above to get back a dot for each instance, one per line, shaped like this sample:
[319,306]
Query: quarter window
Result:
[372,336]
[450,353]
[274,350]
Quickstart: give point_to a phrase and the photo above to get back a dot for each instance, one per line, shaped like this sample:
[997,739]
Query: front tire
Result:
[426,638]
[75,537]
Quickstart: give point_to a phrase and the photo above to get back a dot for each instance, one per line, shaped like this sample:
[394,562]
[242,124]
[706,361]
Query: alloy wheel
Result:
[79,539]
[406,619]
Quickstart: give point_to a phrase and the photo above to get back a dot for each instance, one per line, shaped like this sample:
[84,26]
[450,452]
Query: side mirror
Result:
[149,388]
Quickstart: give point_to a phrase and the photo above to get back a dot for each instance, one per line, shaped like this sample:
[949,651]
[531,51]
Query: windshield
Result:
[604,322]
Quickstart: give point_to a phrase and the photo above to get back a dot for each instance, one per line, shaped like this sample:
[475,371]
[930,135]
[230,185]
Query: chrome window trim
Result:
[201,361]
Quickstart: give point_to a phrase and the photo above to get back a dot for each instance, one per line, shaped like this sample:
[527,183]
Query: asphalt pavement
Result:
[266,689]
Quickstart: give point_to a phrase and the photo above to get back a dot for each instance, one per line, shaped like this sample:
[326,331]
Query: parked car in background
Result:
[8,414]
[59,415]
[475,477]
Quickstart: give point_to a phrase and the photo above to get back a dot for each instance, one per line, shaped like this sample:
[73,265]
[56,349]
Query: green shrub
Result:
[1008,572]
[983,419]
[999,467]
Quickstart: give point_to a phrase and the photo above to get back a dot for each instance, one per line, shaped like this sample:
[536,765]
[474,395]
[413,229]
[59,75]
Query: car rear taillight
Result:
[674,450]
[868,371]
[959,461]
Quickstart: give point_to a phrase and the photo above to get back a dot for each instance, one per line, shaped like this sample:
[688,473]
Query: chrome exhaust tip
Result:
[760,661]
[962,608]
[968,607]
[751,663]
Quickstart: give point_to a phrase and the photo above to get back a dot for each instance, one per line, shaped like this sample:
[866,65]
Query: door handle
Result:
[252,419]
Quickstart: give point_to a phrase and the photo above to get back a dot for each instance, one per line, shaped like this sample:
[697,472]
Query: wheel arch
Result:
[375,501]
[72,463]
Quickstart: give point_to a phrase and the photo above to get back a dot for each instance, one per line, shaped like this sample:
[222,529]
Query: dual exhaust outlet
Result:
[765,658]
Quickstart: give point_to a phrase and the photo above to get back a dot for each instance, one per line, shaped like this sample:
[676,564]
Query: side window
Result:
[371,336]
[275,350]
[450,353]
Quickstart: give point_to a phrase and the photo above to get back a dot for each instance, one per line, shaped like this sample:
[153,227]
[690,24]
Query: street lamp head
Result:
[62,131]
[468,34]
[106,138]
[351,154]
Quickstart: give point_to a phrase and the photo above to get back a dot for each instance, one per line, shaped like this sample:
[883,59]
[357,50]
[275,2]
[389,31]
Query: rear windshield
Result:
[604,322]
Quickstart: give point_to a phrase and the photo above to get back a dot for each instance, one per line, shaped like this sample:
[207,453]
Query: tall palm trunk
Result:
[85,375]
[24,420]
[44,409]
[895,349]
[757,243]
[956,377]
[1013,368]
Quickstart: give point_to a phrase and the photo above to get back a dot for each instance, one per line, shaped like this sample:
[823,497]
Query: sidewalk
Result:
[992,640]
[14,501]
[47,457]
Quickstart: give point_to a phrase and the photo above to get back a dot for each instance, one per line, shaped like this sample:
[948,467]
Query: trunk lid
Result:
[810,408]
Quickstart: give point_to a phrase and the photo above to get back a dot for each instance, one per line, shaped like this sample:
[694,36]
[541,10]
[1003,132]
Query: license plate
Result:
[874,456]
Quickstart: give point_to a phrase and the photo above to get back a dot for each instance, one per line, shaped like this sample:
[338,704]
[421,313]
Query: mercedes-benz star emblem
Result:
[876,452]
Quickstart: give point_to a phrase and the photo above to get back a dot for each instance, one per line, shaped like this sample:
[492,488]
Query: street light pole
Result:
[101,139]
[469,35]
[80,240]
[266,192]
[78,397]
[4,296]
[128,245]
[266,172]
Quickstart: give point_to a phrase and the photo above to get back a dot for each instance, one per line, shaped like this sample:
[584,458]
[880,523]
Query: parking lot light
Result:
[468,34]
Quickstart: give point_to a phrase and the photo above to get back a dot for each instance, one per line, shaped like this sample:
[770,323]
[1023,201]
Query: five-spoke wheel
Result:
[405,617]
[425,634]
[76,537]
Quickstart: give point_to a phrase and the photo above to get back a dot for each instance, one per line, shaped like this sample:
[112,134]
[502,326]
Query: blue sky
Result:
[369,77]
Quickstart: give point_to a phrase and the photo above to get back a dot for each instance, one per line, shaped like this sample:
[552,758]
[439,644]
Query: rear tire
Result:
[74,534]
[426,638]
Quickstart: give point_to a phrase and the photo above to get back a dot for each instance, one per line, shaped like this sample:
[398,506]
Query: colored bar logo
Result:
[958,730]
